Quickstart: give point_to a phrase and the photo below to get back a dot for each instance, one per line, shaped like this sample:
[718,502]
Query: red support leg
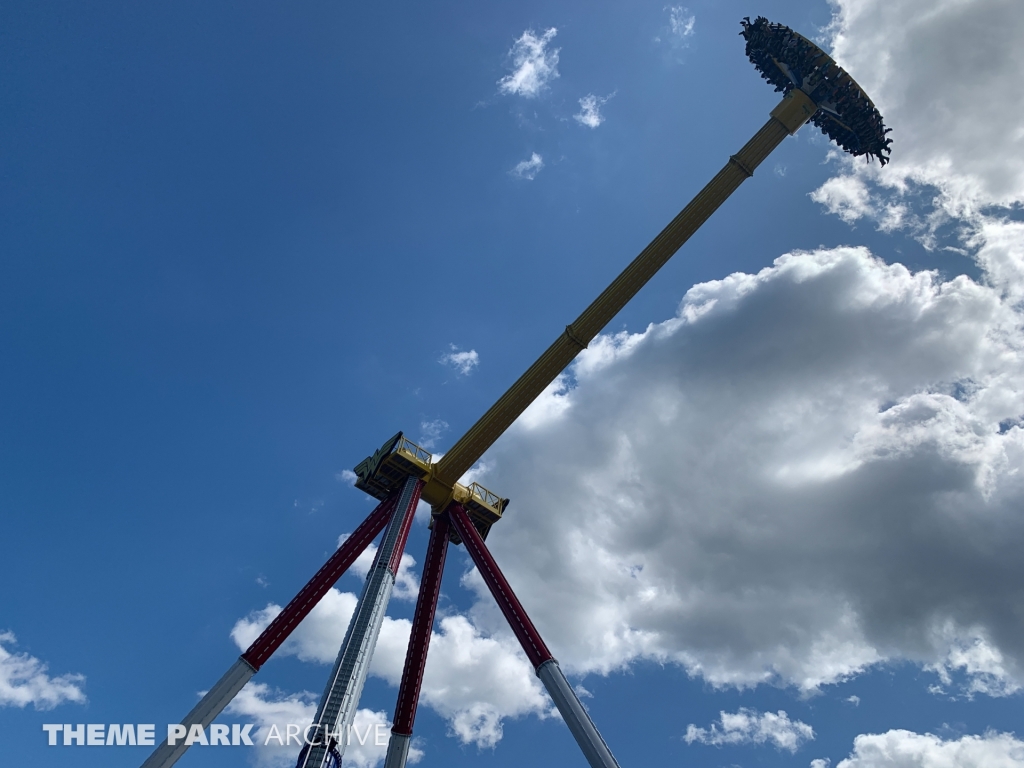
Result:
[249,663]
[419,642]
[583,729]
[536,651]
[300,606]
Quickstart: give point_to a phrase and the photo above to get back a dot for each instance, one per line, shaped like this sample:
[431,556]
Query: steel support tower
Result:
[814,89]
[338,704]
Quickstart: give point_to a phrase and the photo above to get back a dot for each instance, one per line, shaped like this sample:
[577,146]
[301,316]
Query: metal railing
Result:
[420,454]
[489,499]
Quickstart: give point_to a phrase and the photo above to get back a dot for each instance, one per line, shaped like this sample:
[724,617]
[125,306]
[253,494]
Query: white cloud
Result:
[845,196]
[528,169]
[550,404]
[590,110]
[749,727]
[346,476]
[465,362]
[681,22]
[1000,252]
[971,653]
[905,749]
[432,431]
[928,64]
[849,197]
[533,64]
[821,763]
[268,708]
[24,681]
[806,472]
[855,700]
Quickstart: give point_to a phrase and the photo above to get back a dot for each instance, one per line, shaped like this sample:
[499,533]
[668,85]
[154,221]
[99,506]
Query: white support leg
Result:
[204,713]
[341,696]
[575,716]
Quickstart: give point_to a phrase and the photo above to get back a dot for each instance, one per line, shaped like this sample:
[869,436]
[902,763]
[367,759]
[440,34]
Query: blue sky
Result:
[240,247]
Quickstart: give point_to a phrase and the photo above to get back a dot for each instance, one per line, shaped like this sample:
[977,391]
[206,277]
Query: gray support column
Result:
[575,716]
[341,696]
[398,750]
[204,712]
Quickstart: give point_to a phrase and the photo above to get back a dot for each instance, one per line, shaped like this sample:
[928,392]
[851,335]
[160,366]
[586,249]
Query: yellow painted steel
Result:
[786,118]
[381,473]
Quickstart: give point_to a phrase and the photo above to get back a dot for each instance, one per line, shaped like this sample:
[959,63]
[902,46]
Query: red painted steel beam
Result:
[593,745]
[307,598]
[536,651]
[422,625]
